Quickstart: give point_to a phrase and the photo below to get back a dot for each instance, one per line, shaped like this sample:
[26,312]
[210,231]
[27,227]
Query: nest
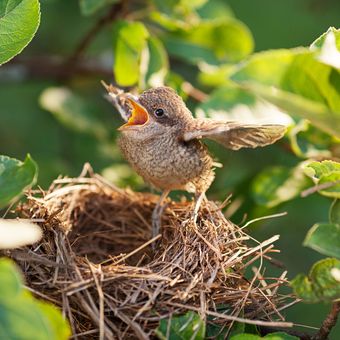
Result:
[97,263]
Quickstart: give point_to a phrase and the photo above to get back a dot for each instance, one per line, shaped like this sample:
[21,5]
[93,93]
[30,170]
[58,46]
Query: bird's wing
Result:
[233,135]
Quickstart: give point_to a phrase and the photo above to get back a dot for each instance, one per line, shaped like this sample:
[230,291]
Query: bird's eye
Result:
[159,113]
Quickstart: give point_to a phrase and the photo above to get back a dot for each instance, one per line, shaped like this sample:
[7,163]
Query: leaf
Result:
[324,238]
[278,184]
[21,316]
[15,177]
[271,336]
[325,173]
[214,42]
[233,103]
[19,21]
[88,7]
[129,41]
[187,326]
[297,82]
[158,64]
[17,233]
[334,213]
[320,284]
[73,111]
[178,7]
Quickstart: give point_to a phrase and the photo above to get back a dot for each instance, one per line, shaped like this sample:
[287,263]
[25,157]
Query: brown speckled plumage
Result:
[167,152]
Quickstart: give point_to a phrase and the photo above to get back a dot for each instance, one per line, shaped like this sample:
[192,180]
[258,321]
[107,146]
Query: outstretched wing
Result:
[233,135]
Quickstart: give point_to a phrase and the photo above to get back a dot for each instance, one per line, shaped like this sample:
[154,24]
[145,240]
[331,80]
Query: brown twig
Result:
[319,187]
[115,12]
[194,92]
[328,323]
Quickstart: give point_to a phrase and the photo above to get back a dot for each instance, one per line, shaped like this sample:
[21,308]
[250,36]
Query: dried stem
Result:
[328,323]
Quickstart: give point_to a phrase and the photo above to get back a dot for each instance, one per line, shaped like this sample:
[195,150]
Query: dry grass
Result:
[96,262]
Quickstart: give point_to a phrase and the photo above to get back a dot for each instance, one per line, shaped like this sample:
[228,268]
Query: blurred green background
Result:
[63,149]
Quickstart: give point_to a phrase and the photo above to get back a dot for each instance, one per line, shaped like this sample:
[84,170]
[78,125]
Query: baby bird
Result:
[163,142]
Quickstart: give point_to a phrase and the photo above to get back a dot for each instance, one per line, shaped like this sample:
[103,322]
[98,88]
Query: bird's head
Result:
[157,111]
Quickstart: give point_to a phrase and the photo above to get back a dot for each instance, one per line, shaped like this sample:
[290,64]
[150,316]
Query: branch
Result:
[319,187]
[328,323]
[115,12]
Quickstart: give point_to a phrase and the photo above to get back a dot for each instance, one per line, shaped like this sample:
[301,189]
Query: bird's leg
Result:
[199,196]
[157,213]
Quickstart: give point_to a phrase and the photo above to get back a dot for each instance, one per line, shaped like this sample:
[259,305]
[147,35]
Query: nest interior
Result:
[97,263]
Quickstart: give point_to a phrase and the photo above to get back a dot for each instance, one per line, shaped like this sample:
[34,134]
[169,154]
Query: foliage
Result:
[193,46]
[21,315]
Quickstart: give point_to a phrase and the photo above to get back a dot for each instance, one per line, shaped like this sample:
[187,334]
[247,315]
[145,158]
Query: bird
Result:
[163,142]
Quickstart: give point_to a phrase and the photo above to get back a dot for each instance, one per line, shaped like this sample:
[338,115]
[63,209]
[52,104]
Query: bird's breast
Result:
[167,163]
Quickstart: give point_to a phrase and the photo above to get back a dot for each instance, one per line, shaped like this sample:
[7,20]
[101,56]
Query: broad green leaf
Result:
[278,184]
[15,177]
[334,212]
[19,21]
[297,82]
[158,64]
[319,42]
[271,336]
[214,42]
[21,316]
[187,326]
[215,9]
[178,7]
[325,173]
[324,238]
[73,111]
[88,7]
[129,42]
[18,233]
[233,103]
[320,284]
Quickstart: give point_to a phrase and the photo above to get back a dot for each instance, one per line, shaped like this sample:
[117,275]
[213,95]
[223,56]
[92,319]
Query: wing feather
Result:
[235,136]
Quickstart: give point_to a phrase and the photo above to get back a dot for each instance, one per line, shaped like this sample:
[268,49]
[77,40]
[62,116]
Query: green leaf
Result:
[187,326]
[334,212]
[88,7]
[19,21]
[178,7]
[129,42]
[278,184]
[73,111]
[158,64]
[325,173]
[233,103]
[21,316]
[15,177]
[214,42]
[320,284]
[271,336]
[324,238]
[297,82]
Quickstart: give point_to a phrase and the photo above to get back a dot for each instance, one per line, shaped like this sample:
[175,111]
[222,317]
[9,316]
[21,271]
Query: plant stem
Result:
[328,323]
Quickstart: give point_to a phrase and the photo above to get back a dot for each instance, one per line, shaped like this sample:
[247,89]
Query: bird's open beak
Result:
[139,115]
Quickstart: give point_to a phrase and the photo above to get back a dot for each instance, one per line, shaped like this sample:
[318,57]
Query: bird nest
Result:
[97,263]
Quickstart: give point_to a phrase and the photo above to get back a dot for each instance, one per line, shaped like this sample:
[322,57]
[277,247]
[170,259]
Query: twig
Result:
[193,92]
[78,53]
[318,187]
[328,323]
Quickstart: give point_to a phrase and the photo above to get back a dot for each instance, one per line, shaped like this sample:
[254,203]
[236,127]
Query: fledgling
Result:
[162,141]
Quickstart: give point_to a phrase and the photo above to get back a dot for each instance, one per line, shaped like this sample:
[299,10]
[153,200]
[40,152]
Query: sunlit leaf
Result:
[19,21]
[324,238]
[334,213]
[158,63]
[17,233]
[278,184]
[326,175]
[15,177]
[233,103]
[129,42]
[214,42]
[297,82]
[320,284]
[89,7]
[271,336]
[21,316]
[187,326]
[73,111]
